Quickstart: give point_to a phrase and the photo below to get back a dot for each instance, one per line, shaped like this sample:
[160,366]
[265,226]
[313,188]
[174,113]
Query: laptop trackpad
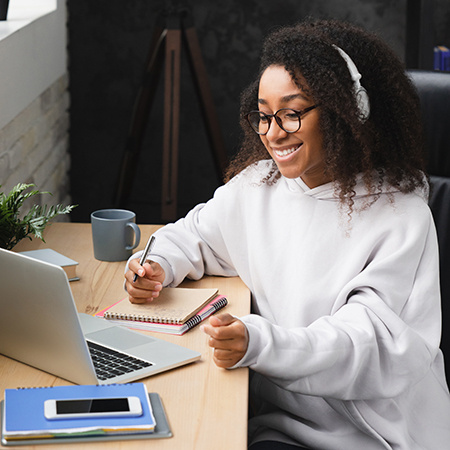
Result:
[119,338]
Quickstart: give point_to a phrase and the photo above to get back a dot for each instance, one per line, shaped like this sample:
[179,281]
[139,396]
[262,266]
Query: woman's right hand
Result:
[148,284]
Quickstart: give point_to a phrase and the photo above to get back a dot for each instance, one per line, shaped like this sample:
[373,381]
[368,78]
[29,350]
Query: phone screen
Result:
[97,405]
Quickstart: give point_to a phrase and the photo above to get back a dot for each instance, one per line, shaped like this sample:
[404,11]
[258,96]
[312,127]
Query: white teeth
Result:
[285,152]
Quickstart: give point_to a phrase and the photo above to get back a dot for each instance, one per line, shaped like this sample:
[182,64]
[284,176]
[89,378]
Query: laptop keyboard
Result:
[111,363]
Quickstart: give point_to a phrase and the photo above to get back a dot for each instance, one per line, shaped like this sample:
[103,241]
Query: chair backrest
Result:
[434,92]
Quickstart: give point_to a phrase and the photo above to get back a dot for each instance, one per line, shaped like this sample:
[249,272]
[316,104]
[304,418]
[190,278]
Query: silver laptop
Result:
[40,326]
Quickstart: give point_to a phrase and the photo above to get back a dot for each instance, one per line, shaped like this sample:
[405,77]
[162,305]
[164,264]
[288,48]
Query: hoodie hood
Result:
[328,192]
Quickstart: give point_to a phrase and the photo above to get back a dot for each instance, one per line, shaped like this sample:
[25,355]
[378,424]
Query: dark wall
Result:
[108,46]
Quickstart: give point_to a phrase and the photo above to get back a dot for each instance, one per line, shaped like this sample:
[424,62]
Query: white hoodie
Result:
[345,324]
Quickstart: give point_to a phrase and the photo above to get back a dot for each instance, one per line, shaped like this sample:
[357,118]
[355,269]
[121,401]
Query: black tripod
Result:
[172,27]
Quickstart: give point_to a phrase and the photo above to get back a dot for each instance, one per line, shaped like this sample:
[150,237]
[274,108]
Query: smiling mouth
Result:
[287,151]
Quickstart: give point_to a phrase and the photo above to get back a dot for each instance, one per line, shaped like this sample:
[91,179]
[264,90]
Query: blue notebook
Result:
[24,412]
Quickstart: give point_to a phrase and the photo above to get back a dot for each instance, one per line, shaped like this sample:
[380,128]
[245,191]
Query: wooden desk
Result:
[206,406]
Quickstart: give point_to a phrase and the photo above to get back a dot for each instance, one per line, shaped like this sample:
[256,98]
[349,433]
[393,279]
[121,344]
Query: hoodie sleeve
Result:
[193,246]
[382,336]
[197,245]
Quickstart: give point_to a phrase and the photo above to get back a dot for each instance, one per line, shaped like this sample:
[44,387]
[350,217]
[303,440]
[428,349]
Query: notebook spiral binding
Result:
[140,318]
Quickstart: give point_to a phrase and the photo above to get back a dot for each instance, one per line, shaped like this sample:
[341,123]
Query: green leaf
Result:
[12,228]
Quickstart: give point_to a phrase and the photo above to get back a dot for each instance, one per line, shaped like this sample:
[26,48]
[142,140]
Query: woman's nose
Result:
[275,131]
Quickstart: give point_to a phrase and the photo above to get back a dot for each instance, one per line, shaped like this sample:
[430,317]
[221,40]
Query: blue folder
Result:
[24,409]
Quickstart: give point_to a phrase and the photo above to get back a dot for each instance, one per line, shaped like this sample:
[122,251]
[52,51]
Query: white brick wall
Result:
[34,145]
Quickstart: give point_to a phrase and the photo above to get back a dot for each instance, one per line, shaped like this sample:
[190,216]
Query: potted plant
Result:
[16,225]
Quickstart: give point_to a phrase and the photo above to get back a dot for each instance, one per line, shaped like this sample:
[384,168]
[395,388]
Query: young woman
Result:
[325,218]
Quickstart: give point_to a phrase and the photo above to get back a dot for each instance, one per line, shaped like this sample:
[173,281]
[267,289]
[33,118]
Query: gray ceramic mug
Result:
[114,234]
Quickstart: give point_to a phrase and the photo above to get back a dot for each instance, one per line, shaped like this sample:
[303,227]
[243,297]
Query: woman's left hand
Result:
[228,336]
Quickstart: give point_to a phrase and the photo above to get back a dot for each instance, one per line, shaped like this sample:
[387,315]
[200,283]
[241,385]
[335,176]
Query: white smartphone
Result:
[92,407]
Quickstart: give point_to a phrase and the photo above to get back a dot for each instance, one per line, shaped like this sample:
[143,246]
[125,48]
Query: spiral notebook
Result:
[173,305]
[213,306]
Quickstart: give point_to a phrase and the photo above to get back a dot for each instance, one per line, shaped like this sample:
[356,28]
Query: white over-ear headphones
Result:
[362,98]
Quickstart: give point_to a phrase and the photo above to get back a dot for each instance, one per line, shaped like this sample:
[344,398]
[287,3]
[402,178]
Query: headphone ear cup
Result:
[362,99]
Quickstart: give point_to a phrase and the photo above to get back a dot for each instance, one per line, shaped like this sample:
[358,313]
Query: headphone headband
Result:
[362,98]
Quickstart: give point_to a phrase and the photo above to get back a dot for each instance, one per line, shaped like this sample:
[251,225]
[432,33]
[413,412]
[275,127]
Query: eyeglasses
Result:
[289,120]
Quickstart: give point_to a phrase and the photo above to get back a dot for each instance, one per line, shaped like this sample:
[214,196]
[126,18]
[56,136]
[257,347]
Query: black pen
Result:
[147,250]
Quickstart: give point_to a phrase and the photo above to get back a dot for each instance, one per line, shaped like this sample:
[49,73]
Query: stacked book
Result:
[68,413]
[51,256]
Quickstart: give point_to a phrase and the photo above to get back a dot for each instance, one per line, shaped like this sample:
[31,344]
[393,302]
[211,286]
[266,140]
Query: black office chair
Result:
[434,93]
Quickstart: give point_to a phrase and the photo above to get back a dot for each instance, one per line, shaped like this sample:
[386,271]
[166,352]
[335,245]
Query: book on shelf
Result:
[218,302]
[53,257]
[442,58]
[24,417]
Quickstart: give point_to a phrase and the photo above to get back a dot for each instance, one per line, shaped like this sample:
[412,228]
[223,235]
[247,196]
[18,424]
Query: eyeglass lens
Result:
[287,119]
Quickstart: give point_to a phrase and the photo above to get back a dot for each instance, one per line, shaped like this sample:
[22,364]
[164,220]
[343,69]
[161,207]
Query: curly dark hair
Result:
[388,147]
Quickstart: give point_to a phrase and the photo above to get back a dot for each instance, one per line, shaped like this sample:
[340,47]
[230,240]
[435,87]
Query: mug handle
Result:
[137,235]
